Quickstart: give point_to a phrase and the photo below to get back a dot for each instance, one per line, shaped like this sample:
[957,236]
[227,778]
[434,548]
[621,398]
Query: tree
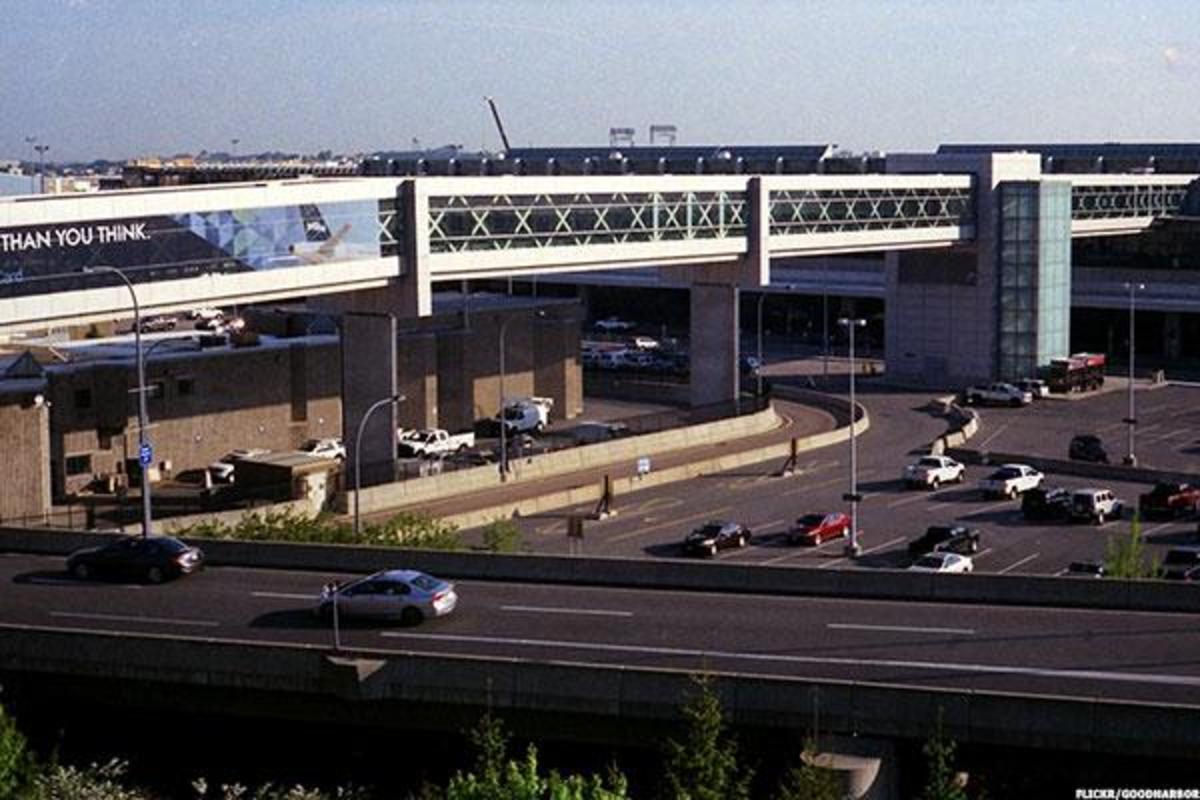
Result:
[704,766]
[943,782]
[16,761]
[502,536]
[1125,556]
[808,780]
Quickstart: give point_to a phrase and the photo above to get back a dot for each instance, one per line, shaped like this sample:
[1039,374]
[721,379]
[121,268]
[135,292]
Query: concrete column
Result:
[368,375]
[1172,335]
[714,343]
[417,379]
[556,365]
[456,380]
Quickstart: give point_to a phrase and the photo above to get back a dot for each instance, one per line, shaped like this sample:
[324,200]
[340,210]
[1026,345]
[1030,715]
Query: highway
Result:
[1153,657]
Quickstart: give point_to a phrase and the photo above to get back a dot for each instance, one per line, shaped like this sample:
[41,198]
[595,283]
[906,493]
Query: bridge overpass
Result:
[228,244]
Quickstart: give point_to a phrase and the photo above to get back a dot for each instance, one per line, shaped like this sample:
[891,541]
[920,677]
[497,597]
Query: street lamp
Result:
[853,549]
[503,419]
[362,423]
[30,140]
[41,151]
[145,452]
[761,297]
[1131,420]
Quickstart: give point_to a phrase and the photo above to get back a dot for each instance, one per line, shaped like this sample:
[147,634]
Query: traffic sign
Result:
[145,454]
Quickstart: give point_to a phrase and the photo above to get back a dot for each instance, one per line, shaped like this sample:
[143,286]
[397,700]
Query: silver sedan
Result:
[399,594]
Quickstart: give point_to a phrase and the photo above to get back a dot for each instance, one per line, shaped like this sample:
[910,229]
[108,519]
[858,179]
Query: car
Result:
[1046,503]
[1181,563]
[1083,569]
[997,393]
[943,539]
[205,313]
[942,562]
[325,448]
[222,469]
[1011,480]
[1169,499]
[403,595]
[932,471]
[1036,387]
[645,343]
[1096,505]
[1087,447]
[716,535]
[153,559]
[613,324]
[155,324]
[211,322]
[815,529]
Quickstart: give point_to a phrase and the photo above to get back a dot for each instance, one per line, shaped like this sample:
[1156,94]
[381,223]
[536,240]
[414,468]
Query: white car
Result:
[942,562]
[1011,480]
[612,324]
[645,343]
[399,594]
[205,313]
[997,393]
[932,471]
[1037,388]
[222,469]
[325,448]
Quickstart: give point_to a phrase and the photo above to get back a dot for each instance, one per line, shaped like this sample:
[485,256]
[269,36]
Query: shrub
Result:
[407,529]
[502,536]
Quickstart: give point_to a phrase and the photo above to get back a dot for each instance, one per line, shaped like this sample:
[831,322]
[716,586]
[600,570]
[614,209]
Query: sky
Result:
[121,79]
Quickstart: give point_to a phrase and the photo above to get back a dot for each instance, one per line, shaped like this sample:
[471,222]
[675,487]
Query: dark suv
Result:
[1087,447]
[1046,503]
[945,539]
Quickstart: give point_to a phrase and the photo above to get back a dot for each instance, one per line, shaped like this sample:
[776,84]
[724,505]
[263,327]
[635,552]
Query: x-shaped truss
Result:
[1108,202]
[838,210]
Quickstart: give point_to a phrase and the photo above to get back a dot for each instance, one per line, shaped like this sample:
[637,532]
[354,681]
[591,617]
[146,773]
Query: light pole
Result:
[503,418]
[1131,420]
[41,151]
[853,549]
[30,140]
[145,452]
[362,423]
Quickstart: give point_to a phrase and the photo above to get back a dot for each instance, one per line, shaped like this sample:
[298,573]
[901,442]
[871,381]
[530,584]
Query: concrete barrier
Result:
[645,573]
[1083,469]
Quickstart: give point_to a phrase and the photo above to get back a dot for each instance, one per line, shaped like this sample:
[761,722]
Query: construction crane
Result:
[499,125]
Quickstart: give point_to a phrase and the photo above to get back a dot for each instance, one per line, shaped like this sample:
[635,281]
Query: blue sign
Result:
[145,454]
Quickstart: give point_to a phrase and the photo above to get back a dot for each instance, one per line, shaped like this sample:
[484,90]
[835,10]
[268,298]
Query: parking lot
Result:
[654,522]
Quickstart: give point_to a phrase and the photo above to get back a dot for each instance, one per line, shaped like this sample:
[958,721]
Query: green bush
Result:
[407,529]
[16,762]
[502,536]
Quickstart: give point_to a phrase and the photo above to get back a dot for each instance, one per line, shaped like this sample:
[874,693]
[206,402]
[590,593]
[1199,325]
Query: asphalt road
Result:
[654,522]
[1065,652]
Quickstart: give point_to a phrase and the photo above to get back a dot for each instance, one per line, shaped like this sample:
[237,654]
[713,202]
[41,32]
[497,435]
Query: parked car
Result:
[1096,505]
[613,324]
[157,323]
[645,343]
[1083,569]
[205,313]
[1087,447]
[815,529]
[527,414]
[1169,499]
[1181,563]
[211,321]
[997,393]
[325,448]
[1046,503]
[222,469]
[942,562]
[428,442]
[398,594]
[588,432]
[1036,387]
[1011,480]
[716,535]
[150,558]
[930,472]
[943,539]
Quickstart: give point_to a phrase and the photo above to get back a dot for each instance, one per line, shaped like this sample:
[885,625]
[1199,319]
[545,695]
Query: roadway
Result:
[1152,657]
[652,523]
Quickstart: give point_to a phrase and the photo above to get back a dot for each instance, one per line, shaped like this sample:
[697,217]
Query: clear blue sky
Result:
[122,78]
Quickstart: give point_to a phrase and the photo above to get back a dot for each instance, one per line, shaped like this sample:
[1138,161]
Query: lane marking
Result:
[207,623]
[933,666]
[811,486]
[771,524]
[867,552]
[1023,561]
[980,554]
[594,612]
[924,495]
[712,514]
[995,433]
[287,595]
[850,626]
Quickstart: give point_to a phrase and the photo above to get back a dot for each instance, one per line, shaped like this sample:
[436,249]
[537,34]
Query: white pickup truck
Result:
[997,393]
[1011,480]
[930,472]
[528,414]
[428,442]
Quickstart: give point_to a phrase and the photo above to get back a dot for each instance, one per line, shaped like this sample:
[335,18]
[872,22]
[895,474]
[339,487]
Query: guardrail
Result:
[646,573]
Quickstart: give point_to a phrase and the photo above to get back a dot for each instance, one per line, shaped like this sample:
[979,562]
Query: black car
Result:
[1084,569]
[1046,503]
[1087,447]
[158,323]
[945,539]
[153,559]
[717,535]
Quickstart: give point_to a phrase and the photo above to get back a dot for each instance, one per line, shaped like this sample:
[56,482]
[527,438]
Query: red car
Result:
[817,528]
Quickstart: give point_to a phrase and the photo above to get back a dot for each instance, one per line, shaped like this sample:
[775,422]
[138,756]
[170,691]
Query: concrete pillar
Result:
[1172,335]
[714,343]
[557,371]
[369,374]
[456,380]
[417,379]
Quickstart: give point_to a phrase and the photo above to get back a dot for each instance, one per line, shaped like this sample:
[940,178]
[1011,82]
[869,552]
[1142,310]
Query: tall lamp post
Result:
[362,424]
[853,549]
[144,449]
[503,420]
[30,140]
[41,151]
[1131,420]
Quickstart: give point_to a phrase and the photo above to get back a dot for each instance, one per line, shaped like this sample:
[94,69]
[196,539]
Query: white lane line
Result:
[711,514]
[286,595]
[867,552]
[935,666]
[995,433]
[981,554]
[916,498]
[849,626]
[1156,528]
[768,525]
[594,612]
[808,487]
[1022,562]
[207,623]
